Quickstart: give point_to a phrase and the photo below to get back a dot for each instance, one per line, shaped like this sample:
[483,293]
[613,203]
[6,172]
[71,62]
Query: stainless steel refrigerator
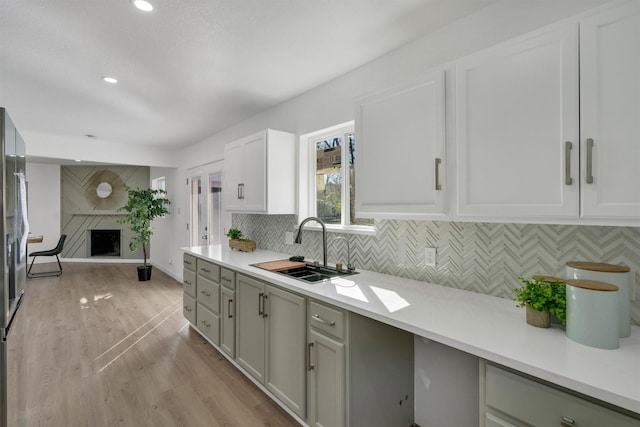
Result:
[14,227]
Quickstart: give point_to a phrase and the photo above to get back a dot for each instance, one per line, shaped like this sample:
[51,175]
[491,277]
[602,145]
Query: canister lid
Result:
[598,266]
[550,279]
[592,285]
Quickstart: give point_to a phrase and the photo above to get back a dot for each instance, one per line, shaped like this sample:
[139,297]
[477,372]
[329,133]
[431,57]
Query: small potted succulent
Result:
[543,297]
[237,241]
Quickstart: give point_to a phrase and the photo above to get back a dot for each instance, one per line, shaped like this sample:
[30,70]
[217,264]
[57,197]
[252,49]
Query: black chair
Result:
[51,252]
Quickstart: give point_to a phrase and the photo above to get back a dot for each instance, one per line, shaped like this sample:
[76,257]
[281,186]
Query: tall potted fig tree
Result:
[142,207]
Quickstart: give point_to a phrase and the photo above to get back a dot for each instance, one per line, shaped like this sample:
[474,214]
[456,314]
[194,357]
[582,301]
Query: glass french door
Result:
[206,220]
[197,213]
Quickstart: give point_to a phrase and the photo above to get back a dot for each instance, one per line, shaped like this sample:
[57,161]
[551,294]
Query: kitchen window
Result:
[327,178]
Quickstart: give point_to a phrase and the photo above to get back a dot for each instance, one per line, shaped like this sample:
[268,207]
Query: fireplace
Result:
[104,243]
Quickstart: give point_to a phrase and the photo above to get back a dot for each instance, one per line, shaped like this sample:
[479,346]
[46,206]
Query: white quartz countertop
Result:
[488,327]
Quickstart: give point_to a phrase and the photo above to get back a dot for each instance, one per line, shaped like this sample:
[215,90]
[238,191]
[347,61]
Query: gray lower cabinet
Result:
[360,371]
[270,339]
[189,288]
[512,400]
[228,312]
[325,398]
[189,308]
[208,323]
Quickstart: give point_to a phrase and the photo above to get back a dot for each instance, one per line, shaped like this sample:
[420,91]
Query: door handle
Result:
[438,185]
[204,237]
[589,160]
[264,305]
[260,304]
[310,367]
[568,145]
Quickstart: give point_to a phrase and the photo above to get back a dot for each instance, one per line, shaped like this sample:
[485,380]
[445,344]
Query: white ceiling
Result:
[190,68]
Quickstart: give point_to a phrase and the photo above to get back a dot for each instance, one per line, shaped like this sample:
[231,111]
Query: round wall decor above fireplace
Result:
[103,190]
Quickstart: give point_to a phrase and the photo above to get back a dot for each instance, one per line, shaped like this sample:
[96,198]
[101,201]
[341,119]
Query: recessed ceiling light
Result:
[111,80]
[78,160]
[143,5]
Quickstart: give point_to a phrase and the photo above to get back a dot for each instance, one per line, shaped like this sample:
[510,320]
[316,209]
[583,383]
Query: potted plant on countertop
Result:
[237,241]
[142,207]
[543,296]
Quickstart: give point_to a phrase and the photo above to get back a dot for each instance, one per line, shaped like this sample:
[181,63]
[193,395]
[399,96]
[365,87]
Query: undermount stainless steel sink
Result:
[314,273]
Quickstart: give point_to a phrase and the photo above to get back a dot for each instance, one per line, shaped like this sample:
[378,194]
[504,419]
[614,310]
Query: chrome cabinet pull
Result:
[240,191]
[567,422]
[186,307]
[187,262]
[208,325]
[230,316]
[205,293]
[589,160]
[438,185]
[321,320]
[310,367]
[260,304]
[225,279]
[568,145]
[186,282]
[205,270]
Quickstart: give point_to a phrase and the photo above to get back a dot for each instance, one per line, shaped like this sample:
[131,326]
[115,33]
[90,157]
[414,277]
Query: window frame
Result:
[307,203]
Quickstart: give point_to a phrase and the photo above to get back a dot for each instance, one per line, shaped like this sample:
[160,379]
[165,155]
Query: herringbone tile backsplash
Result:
[480,257]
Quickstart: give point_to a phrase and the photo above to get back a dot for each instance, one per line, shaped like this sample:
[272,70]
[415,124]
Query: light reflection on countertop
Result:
[488,327]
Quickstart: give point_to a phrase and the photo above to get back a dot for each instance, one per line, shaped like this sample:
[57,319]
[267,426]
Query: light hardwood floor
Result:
[106,350]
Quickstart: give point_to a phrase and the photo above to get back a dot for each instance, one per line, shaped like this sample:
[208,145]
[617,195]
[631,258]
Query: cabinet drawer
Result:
[209,324]
[228,278]
[189,262]
[208,270]
[189,282]
[326,319]
[209,294]
[540,405]
[189,308]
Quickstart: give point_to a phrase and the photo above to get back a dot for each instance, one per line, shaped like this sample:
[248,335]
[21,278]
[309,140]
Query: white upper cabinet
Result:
[260,173]
[517,128]
[400,152]
[610,113]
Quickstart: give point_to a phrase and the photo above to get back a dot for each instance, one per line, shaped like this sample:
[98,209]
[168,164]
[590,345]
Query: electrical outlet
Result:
[430,257]
[288,238]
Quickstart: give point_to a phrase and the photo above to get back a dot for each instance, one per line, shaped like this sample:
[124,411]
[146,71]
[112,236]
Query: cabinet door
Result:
[233,168]
[506,391]
[493,420]
[286,337]
[254,174]
[250,329]
[326,398]
[228,322]
[189,308]
[517,108]
[401,149]
[208,323]
[209,294]
[610,113]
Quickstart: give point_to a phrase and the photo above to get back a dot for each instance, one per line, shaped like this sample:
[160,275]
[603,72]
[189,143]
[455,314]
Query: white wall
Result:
[44,205]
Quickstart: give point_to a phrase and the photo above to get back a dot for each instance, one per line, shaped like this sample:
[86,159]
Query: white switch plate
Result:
[288,238]
[430,257]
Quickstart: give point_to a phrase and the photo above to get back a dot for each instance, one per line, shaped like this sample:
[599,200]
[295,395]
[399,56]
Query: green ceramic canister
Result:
[618,275]
[592,317]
